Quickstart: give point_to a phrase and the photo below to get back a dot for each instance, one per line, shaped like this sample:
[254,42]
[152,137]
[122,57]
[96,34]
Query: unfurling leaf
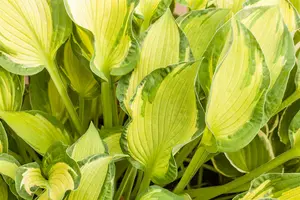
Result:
[115,49]
[156,192]
[57,174]
[155,133]
[234,116]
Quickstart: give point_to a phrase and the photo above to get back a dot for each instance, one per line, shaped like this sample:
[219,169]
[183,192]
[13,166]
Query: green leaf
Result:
[233,5]
[156,192]
[58,174]
[77,71]
[296,4]
[11,91]
[165,44]
[25,40]
[234,116]
[115,49]
[96,182]
[223,166]
[165,116]
[200,27]
[37,129]
[294,129]
[87,145]
[113,143]
[273,186]
[258,152]
[3,190]
[3,140]
[277,46]
[197,4]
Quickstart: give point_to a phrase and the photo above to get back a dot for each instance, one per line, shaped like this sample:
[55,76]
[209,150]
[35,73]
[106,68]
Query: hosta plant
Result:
[124,99]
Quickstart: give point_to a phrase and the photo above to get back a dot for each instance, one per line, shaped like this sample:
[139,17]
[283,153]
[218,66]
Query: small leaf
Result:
[11,91]
[3,140]
[258,152]
[115,49]
[87,145]
[37,129]
[234,116]
[223,166]
[58,174]
[155,133]
[156,192]
[273,186]
[113,143]
[163,44]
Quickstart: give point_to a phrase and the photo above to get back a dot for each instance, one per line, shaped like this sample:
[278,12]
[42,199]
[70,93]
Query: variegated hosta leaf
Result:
[24,39]
[150,10]
[80,77]
[258,152]
[87,145]
[294,129]
[277,45]
[273,186]
[200,27]
[113,143]
[58,174]
[233,5]
[234,116]
[11,91]
[288,11]
[37,129]
[110,23]
[196,4]
[155,132]
[223,166]
[84,39]
[164,44]
[156,192]
[3,140]
[3,190]
[97,179]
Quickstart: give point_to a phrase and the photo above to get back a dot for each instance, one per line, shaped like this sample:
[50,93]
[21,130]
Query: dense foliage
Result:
[123,99]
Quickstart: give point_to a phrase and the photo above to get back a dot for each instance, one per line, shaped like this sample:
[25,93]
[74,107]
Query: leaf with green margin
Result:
[285,121]
[156,192]
[155,133]
[3,139]
[150,11]
[258,152]
[273,186]
[57,175]
[38,129]
[116,50]
[278,47]
[25,40]
[233,5]
[11,91]
[84,41]
[3,190]
[76,70]
[234,116]
[113,143]
[163,44]
[96,181]
[87,145]
[223,166]
[44,95]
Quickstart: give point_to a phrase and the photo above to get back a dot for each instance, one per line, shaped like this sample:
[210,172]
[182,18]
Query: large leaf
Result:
[234,116]
[3,140]
[278,47]
[164,118]
[38,129]
[273,186]
[115,49]
[164,44]
[87,145]
[27,41]
[234,5]
[58,174]
[156,192]
[11,91]
[258,152]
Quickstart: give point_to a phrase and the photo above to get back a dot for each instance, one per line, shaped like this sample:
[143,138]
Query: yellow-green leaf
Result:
[223,166]
[3,190]
[233,5]
[37,129]
[8,166]
[296,4]
[3,140]
[155,133]
[87,145]
[294,129]
[113,143]
[234,116]
[196,4]
[11,91]
[164,44]
[115,50]
[156,192]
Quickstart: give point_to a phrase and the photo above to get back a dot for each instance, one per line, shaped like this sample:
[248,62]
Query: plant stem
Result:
[81,109]
[145,182]
[137,183]
[109,107]
[128,189]
[198,159]
[287,102]
[62,90]
[129,172]
[185,151]
[211,192]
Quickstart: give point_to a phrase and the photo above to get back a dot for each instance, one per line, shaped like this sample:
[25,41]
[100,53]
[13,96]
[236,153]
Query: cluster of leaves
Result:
[125,100]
